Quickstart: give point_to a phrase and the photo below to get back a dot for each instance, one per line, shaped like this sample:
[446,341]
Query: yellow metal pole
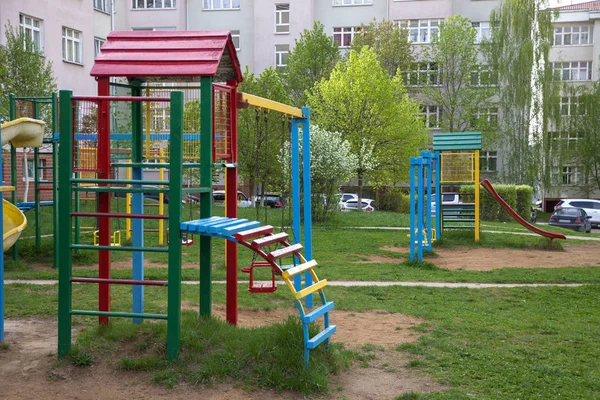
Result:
[476,155]
[128,207]
[161,201]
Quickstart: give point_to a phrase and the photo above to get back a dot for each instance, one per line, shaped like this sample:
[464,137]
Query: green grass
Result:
[488,344]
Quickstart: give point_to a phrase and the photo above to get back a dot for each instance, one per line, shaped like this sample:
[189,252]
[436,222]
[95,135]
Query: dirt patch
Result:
[483,259]
[27,368]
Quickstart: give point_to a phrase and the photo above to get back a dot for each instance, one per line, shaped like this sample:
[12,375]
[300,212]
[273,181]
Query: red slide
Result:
[487,185]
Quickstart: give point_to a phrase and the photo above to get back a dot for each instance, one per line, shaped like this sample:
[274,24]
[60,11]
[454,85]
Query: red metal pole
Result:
[231,178]
[103,161]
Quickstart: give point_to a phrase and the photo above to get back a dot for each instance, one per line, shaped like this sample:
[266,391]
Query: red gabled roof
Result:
[168,56]
[587,6]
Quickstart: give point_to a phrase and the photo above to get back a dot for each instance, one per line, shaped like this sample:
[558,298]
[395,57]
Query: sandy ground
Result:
[28,369]
[484,259]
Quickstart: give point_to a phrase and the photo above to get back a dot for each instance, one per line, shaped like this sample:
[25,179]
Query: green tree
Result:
[390,43]
[261,134]
[23,70]
[460,84]
[518,50]
[374,113]
[313,57]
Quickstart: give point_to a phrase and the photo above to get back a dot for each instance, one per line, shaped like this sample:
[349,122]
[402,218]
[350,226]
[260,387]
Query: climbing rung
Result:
[284,252]
[267,240]
[459,220]
[252,233]
[311,289]
[118,314]
[321,337]
[120,281]
[313,315]
[299,268]
[459,227]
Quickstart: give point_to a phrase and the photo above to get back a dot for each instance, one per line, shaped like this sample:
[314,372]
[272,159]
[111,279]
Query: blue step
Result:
[313,315]
[232,230]
[217,228]
[321,337]
[200,225]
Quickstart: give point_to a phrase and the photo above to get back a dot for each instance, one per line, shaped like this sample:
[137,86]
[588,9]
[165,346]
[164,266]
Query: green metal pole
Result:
[175,195]
[12,114]
[36,184]
[64,229]
[77,221]
[206,117]
[55,176]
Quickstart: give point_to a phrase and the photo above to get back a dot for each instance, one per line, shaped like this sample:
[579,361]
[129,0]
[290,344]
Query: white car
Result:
[352,205]
[591,207]
[219,198]
[447,199]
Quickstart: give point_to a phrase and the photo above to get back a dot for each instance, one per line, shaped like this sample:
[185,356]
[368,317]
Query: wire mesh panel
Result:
[457,167]
[85,140]
[222,124]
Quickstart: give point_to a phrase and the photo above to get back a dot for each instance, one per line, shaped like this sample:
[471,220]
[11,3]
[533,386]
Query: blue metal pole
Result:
[2,260]
[438,195]
[295,147]
[413,162]
[307,198]
[137,238]
[420,211]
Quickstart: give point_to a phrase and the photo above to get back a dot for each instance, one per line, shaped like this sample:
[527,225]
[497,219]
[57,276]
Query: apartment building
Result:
[68,32]
[575,58]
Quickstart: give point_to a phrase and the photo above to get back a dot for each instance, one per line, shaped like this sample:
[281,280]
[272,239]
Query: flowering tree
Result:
[332,164]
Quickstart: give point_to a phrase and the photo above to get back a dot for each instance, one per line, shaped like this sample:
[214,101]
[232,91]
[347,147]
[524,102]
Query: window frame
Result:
[573,70]
[350,31]
[77,43]
[101,5]
[31,162]
[483,30]
[484,161]
[209,5]
[352,3]
[280,55]
[40,30]
[416,27]
[428,111]
[562,33]
[239,39]
[96,47]
[136,7]
[279,16]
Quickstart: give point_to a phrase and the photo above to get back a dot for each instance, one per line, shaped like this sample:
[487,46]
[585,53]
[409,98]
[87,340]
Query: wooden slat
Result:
[252,233]
[267,240]
[286,251]
[321,337]
[299,269]
[313,315]
[311,289]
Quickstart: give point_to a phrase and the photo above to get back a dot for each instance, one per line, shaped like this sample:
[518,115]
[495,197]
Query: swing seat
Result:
[186,240]
[254,287]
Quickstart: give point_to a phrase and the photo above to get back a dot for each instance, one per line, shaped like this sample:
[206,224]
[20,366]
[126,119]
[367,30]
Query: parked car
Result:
[352,205]
[270,200]
[591,207]
[571,218]
[242,199]
[448,198]
[344,197]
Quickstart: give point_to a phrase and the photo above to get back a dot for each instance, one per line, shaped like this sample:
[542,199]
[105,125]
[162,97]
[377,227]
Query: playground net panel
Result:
[457,167]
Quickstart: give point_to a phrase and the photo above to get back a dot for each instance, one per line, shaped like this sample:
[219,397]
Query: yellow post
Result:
[476,195]
[161,201]
[128,207]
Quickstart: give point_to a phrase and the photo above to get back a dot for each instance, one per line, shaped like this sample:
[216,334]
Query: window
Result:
[282,18]
[565,140]
[98,42]
[281,53]
[573,71]
[569,105]
[221,4]
[71,46]
[484,76]
[421,30]
[431,116]
[235,36]
[488,161]
[573,35]
[425,73]
[483,31]
[569,175]
[101,5]
[31,170]
[343,36]
[152,4]
[32,29]
[352,2]
[489,115]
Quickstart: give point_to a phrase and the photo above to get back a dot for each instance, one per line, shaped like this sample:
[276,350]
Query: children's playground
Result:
[113,285]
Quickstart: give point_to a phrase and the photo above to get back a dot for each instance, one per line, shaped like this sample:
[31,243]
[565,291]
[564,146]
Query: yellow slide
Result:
[22,132]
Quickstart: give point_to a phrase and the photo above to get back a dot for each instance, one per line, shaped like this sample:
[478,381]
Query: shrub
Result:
[524,196]
[517,197]
[393,199]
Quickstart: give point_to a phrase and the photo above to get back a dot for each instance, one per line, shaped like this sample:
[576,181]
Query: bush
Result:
[517,197]
[393,199]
